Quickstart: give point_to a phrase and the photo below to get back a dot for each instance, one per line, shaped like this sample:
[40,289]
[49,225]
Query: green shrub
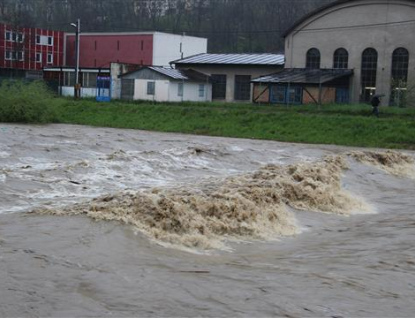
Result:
[25,102]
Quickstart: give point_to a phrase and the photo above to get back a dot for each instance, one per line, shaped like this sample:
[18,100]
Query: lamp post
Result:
[77,87]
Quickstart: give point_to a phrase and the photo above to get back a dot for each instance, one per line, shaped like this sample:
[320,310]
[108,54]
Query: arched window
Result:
[369,67]
[400,61]
[313,58]
[341,58]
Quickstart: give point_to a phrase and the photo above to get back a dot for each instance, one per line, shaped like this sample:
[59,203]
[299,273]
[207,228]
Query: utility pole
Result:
[77,88]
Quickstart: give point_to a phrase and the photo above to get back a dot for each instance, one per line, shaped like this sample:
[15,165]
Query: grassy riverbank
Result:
[348,125]
[330,124]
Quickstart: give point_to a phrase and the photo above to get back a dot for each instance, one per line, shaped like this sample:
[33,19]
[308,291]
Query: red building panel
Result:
[99,50]
[30,48]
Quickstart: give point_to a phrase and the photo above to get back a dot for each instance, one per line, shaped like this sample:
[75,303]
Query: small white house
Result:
[165,84]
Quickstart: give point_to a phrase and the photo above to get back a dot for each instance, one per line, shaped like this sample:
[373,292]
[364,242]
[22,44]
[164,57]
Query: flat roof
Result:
[304,76]
[72,69]
[233,59]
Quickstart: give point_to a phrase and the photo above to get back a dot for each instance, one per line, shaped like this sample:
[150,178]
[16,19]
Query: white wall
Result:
[161,90]
[85,92]
[166,91]
[166,47]
[231,71]
[190,92]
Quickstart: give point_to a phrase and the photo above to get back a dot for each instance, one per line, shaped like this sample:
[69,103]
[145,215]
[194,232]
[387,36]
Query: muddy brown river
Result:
[131,223]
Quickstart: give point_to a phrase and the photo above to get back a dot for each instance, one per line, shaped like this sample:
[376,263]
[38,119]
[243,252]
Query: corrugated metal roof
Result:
[304,76]
[234,59]
[175,74]
[170,72]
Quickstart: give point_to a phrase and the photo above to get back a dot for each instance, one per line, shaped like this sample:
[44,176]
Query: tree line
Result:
[250,26]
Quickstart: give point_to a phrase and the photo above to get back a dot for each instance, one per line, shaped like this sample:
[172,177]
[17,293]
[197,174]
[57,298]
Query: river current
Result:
[132,223]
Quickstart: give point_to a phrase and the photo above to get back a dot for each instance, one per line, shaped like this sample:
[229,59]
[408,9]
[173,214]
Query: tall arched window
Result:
[400,61]
[313,58]
[369,67]
[341,58]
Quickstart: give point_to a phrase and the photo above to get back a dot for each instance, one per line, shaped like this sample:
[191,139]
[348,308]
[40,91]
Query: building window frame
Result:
[242,87]
[313,58]
[13,55]
[201,90]
[50,58]
[11,36]
[180,88]
[20,55]
[38,57]
[399,78]
[219,86]
[151,88]
[368,73]
[341,59]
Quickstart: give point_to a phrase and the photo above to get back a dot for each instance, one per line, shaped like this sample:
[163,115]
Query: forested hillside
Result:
[230,25]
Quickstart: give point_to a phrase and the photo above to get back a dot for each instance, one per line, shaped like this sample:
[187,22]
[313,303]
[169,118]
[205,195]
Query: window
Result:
[38,57]
[151,88]
[8,36]
[400,61]
[50,58]
[218,86]
[69,79]
[201,90]
[369,71]
[313,58]
[278,94]
[20,56]
[44,40]
[12,56]
[14,36]
[242,87]
[89,80]
[282,94]
[180,89]
[341,59]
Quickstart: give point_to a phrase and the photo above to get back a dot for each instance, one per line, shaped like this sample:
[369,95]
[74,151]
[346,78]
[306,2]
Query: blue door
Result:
[281,94]
[342,95]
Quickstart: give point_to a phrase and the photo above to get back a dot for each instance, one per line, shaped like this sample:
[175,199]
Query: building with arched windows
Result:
[372,39]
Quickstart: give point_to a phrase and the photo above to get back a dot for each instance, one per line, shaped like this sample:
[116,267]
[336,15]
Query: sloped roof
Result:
[233,59]
[304,76]
[175,74]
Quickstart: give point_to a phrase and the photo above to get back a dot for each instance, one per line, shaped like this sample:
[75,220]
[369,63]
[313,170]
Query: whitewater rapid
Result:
[306,230]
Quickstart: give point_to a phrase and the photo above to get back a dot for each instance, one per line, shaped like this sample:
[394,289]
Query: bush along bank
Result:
[26,102]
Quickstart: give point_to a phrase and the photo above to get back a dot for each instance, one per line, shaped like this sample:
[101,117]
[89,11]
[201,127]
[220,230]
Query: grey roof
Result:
[170,72]
[175,74]
[304,76]
[233,59]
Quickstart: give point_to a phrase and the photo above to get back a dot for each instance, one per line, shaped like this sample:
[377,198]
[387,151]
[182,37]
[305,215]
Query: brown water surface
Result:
[333,264]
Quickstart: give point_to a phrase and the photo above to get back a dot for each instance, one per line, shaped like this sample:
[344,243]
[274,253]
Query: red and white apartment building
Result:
[26,51]
[51,55]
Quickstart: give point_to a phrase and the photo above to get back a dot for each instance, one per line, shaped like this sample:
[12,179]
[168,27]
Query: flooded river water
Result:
[306,230]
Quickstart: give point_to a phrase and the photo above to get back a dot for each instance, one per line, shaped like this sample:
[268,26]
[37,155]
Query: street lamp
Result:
[77,87]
